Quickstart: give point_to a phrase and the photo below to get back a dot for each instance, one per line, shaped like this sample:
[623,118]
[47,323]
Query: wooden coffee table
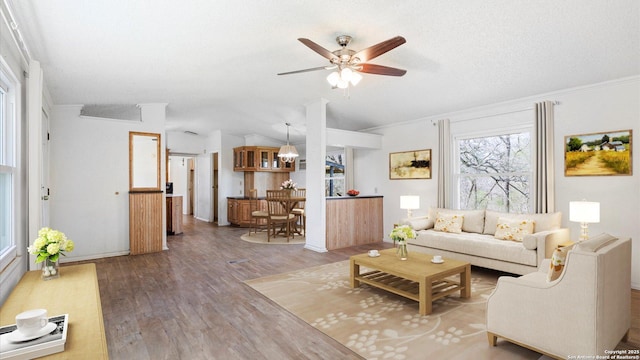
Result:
[416,278]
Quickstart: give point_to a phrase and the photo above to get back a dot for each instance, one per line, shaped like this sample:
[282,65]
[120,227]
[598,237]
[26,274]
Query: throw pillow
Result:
[596,242]
[558,260]
[421,223]
[451,223]
[513,229]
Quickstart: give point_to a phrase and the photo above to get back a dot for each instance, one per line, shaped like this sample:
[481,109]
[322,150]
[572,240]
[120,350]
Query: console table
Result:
[75,293]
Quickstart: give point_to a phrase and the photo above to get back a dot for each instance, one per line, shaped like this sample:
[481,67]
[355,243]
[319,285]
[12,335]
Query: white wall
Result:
[597,108]
[89,199]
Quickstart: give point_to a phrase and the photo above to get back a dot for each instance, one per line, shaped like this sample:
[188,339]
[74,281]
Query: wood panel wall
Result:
[145,222]
[354,221]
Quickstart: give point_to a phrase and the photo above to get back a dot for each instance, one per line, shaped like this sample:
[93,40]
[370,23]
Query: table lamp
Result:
[409,202]
[584,212]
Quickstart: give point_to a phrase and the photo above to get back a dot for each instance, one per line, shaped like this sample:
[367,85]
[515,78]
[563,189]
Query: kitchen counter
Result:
[353,197]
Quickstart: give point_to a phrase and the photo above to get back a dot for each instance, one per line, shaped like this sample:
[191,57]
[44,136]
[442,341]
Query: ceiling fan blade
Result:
[379,49]
[317,48]
[381,70]
[305,70]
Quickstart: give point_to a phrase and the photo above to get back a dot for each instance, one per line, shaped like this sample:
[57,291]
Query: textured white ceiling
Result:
[215,62]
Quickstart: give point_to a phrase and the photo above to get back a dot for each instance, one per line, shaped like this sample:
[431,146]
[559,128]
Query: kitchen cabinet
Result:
[239,211]
[244,158]
[259,158]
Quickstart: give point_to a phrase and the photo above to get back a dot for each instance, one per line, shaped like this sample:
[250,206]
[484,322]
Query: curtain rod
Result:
[435,122]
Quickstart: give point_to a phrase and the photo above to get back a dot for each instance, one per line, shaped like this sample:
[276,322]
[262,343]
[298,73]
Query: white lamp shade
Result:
[288,151]
[333,78]
[355,78]
[584,211]
[409,202]
[345,74]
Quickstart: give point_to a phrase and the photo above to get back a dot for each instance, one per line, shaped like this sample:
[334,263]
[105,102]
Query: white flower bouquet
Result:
[402,233]
[289,184]
[49,245]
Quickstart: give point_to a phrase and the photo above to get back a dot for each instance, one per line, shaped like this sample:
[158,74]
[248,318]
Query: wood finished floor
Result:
[191,303]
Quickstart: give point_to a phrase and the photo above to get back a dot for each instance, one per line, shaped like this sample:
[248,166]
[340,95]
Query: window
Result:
[8,168]
[494,171]
[334,182]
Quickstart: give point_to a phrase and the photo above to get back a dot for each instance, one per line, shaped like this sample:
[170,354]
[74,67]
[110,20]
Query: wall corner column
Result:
[315,205]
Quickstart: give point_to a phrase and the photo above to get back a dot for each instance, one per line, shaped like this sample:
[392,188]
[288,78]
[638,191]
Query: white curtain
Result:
[444,163]
[544,199]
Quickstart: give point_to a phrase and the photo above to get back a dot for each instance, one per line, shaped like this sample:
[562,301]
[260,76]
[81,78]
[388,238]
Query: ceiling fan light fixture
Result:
[333,78]
[355,78]
[288,153]
[346,74]
[342,84]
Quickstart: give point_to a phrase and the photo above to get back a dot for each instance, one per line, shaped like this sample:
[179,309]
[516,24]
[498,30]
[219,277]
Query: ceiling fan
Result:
[349,63]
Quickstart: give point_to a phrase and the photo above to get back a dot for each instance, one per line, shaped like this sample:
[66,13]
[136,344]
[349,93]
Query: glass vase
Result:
[402,251]
[50,270]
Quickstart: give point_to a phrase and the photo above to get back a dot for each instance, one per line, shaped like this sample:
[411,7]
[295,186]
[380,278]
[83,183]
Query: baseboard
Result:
[93,257]
[316,248]
[635,286]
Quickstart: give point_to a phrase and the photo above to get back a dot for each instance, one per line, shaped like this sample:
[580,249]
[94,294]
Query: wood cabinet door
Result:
[244,213]
[145,222]
[232,211]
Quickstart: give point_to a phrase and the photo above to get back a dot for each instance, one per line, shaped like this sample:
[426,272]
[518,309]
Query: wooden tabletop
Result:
[417,264]
[76,293]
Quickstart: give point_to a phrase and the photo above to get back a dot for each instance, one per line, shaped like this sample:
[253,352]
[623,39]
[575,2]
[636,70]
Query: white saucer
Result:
[437,262]
[374,255]
[17,336]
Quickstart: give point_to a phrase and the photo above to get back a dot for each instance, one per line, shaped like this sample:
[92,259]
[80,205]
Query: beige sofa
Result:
[478,245]
[585,312]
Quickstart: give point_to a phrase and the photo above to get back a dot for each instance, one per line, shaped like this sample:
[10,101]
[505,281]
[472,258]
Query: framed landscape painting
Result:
[415,164]
[605,153]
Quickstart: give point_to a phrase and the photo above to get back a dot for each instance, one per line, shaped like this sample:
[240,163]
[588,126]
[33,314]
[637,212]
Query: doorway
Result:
[214,187]
[190,187]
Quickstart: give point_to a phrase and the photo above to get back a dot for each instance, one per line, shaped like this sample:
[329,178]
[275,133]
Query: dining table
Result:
[289,204]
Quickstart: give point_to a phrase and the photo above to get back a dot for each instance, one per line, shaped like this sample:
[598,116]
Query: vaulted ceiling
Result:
[215,62]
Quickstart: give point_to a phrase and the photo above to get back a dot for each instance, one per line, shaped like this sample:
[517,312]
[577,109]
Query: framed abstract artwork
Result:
[603,153]
[415,164]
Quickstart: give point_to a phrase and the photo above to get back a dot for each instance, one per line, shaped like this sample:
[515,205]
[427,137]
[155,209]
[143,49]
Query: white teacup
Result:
[437,258]
[31,321]
[373,253]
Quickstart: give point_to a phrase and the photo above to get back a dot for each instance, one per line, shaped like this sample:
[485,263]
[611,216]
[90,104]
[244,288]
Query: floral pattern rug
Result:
[381,325]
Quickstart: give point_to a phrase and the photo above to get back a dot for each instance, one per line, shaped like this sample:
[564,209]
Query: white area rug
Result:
[261,238]
[380,325]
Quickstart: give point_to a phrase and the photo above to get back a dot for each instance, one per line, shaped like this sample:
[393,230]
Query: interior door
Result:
[214,181]
[190,187]
[44,174]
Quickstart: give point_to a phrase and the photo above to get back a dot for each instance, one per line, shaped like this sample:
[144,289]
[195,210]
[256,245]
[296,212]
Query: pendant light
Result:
[288,153]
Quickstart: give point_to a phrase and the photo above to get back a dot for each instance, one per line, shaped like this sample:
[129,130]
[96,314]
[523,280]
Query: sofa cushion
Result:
[558,260]
[543,222]
[451,223]
[473,219]
[477,245]
[513,229]
[596,242]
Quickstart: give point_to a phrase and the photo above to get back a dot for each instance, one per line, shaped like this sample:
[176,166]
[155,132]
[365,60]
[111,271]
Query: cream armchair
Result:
[585,311]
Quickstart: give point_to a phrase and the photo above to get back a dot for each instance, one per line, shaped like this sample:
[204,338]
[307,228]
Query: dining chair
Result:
[258,216]
[298,210]
[278,204]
